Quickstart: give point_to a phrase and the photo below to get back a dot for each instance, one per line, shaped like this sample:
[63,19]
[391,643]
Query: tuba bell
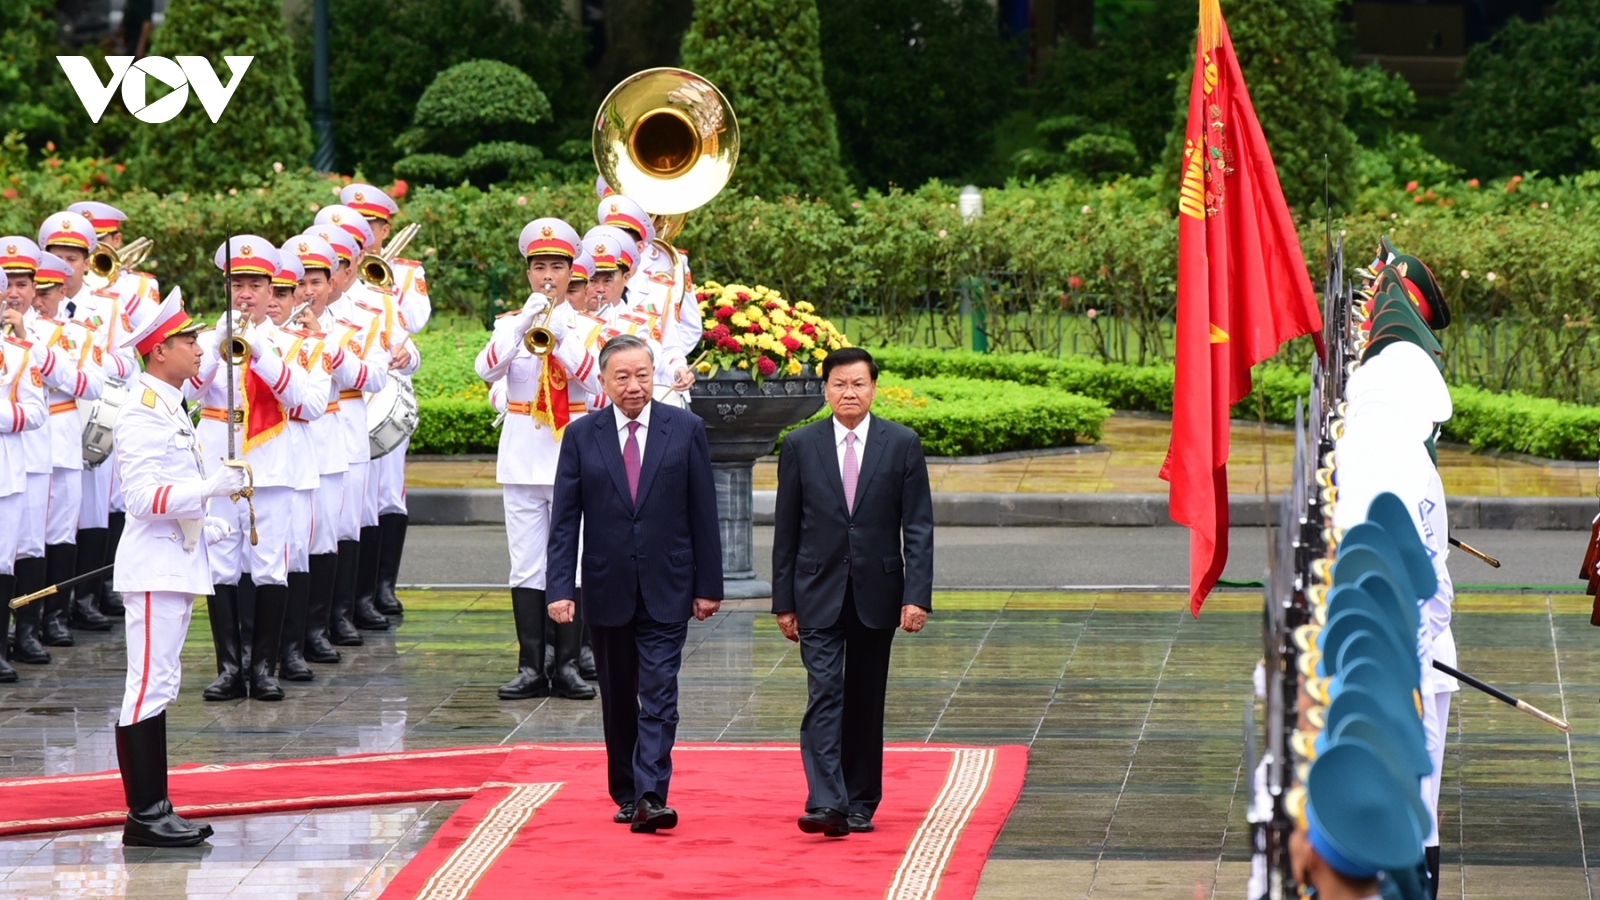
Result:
[376,269]
[107,263]
[668,139]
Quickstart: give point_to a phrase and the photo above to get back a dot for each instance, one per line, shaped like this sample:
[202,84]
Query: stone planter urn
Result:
[743,421]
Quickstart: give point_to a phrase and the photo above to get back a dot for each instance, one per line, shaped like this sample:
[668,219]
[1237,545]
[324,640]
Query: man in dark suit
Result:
[852,557]
[636,477]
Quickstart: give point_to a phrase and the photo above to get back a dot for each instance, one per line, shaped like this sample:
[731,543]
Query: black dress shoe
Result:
[860,824]
[825,821]
[649,815]
[624,814]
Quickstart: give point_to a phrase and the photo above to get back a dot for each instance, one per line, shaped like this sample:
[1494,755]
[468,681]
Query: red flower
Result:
[724,312]
[1411,186]
[718,332]
[702,296]
[743,297]
[771,304]
[808,329]
[120,167]
[728,344]
[766,366]
[1472,182]
[10,193]
[1074,282]
[753,329]
[398,189]
[790,343]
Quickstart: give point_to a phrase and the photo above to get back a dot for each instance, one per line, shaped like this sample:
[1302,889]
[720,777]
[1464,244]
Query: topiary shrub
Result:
[477,122]
[765,56]
[265,122]
[1075,145]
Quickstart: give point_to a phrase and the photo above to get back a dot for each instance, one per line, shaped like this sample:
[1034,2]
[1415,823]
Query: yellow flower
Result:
[819,354]
[740,320]
[794,367]
[724,301]
[704,368]
[805,306]
[744,363]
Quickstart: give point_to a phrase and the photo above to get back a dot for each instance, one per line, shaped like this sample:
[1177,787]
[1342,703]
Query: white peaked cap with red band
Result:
[369,201]
[67,229]
[252,255]
[348,219]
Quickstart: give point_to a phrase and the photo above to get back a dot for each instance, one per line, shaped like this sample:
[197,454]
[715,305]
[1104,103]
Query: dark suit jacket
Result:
[668,549]
[816,544]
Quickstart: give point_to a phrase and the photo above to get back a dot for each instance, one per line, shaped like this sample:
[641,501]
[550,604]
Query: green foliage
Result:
[964,417]
[1522,424]
[454,427]
[28,70]
[917,86]
[1125,80]
[266,120]
[765,55]
[1531,98]
[1075,146]
[478,122]
[383,54]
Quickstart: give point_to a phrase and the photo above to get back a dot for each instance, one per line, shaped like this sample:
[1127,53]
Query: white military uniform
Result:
[107,313]
[22,410]
[405,311]
[68,358]
[360,367]
[676,321]
[529,442]
[304,352]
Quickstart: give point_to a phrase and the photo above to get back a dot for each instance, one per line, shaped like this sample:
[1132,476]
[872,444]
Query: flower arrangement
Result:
[754,329]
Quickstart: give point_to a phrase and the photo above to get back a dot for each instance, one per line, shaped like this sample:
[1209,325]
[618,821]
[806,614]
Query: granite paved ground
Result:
[1127,460]
[1131,709]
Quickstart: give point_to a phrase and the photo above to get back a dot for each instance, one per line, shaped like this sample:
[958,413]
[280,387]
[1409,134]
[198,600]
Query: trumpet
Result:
[107,263]
[539,339]
[238,348]
[376,269]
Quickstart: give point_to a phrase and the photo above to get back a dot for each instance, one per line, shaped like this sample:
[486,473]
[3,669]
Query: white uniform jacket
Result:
[676,323]
[273,462]
[618,319]
[36,442]
[160,465]
[360,364]
[410,298]
[529,448]
[69,364]
[109,311]
[22,410]
[304,351]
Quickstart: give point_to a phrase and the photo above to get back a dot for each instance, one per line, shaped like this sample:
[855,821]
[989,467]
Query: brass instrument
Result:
[238,348]
[376,269]
[668,139]
[107,263]
[540,340]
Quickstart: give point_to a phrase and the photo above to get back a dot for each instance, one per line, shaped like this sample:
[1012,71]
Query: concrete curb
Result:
[464,506]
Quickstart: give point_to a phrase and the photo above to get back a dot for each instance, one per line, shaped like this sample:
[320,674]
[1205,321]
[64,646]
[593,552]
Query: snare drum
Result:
[391,416]
[666,396]
[99,418]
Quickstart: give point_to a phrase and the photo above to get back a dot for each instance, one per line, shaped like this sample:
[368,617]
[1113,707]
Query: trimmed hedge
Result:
[454,427]
[968,417]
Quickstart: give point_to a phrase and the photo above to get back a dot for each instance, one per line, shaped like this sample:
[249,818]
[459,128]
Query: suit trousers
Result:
[638,667]
[841,735]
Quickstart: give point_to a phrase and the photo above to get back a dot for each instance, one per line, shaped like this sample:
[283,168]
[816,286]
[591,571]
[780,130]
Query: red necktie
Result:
[630,461]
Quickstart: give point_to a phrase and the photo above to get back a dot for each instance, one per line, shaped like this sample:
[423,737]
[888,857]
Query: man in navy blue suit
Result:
[636,477]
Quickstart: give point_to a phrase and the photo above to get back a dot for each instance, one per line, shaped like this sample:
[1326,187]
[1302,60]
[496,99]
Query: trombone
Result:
[376,269]
[107,263]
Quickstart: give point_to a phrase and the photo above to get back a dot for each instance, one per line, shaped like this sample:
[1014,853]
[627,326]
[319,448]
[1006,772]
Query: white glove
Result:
[225,482]
[216,530]
[259,337]
[532,309]
[560,321]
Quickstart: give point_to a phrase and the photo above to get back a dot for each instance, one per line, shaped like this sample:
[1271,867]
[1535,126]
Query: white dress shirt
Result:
[860,431]
[644,428]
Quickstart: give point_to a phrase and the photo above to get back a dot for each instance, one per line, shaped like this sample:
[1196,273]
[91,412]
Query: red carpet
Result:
[539,815]
[545,820]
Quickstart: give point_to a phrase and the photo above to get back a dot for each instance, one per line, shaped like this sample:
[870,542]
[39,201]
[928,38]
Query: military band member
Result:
[361,365]
[69,361]
[544,392]
[265,387]
[162,563]
[318,261]
[305,354]
[676,326]
[22,260]
[22,408]
[123,304]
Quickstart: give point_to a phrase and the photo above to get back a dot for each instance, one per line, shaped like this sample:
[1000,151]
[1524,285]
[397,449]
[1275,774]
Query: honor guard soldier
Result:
[614,253]
[21,260]
[162,562]
[361,366]
[652,290]
[22,409]
[545,388]
[124,303]
[578,283]
[265,387]
[385,485]
[305,354]
[69,362]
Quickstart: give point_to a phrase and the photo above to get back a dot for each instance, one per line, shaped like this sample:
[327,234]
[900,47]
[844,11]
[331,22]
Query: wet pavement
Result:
[1131,709]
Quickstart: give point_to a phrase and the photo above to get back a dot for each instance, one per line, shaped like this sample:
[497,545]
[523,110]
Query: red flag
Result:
[264,418]
[1243,289]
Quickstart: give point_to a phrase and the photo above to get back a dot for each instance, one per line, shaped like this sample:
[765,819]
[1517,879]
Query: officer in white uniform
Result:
[361,364]
[652,291]
[544,392]
[22,409]
[304,353]
[69,359]
[162,563]
[20,257]
[409,308]
[265,388]
[121,305]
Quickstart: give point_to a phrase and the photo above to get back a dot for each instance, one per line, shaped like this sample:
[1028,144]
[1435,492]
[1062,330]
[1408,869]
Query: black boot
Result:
[246,605]
[392,526]
[318,649]
[291,661]
[60,561]
[271,599]
[28,648]
[367,616]
[223,610]
[586,649]
[527,607]
[340,621]
[110,601]
[85,612]
[565,681]
[1431,858]
[142,757]
[8,586]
